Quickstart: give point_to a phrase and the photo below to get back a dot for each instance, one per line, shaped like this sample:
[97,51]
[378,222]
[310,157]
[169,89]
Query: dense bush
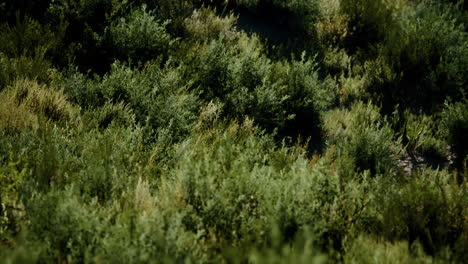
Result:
[412,54]
[429,209]
[139,37]
[454,128]
[172,132]
[428,53]
[26,101]
[285,96]
[363,140]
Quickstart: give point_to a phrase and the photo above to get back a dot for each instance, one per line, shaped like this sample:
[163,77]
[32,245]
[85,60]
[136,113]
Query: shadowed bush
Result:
[285,96]
[454,128]
[139,37]
[363,140]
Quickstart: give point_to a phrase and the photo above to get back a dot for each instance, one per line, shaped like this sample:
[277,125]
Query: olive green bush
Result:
[162,132]
[429,209]
[454,128]
[411,54]
[203,24]
[422,137]
[26,101]
[427,52]
[285,96]
[36,68]
[139,36]
[370,250]
[363,140]
[111,114]
[27,37]
[24,50]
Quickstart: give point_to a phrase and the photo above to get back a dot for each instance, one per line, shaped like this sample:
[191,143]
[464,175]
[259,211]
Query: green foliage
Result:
[174,10]
[67,226]
[110,114]
[161,132]
[288,97]
[429,209]
[10,209]
[81,90]
[28,37]
[367,22]
[421,135]
[139,36]
[25,48]
[357,26]
[35,68]
[363,140]
[428,51]
[26,101]
[158,98]
[370,250]
[204,24]
[454,128]
[411,54]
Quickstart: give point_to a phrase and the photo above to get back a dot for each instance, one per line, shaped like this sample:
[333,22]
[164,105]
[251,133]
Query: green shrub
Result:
[176,11]
[362,139]
[68,229]
[454,128]
[183,154]
[285,96]
[307,98]
[40,99]
[140,36]
[215,183]
[11,208]
[33,68]
[27,254]
[357,26]
[71,229]
[118,115]
[371,250]
[238,189]
[429,208]
[205,25]
[27,100]
[14,118]
[367,22]
[105,166]
[332,25]
[428,52]
[27,38]
[26,49]
[411,54]
[420,135]
[158,98]
[301,250]
[82,90]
